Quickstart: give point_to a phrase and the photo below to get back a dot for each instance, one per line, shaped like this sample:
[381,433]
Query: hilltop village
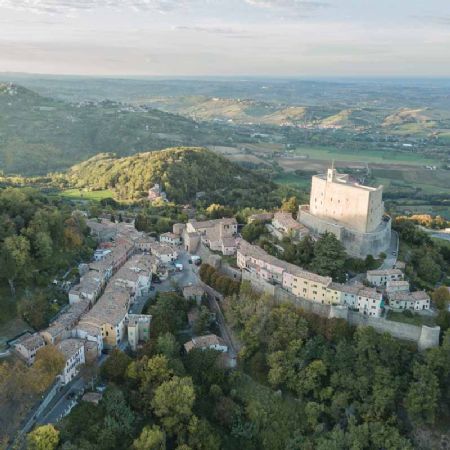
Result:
[210,263]
[99,313]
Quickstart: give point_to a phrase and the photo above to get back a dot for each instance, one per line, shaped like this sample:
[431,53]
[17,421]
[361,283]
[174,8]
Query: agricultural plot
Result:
[79,194]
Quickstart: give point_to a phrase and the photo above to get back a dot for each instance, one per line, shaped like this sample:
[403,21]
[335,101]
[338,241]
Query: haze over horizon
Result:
[234,38]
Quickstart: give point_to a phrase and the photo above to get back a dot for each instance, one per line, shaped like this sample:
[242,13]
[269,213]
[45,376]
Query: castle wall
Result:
[425,337]
[356,244]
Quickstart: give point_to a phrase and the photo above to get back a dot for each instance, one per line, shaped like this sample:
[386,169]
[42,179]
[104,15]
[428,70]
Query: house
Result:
[27,346]
[194,292]
[165,253]
[219,235]
[107,316]
[135,276]
[286,225]
[100,253]
[170,238]
[156,193]
[260,217]
[370,302]
[381,276]
[397,286]
[138,329]
[416,301]
[61,327]
[103,230]
[209,341]
[89,288]
[92,397]
[73,352]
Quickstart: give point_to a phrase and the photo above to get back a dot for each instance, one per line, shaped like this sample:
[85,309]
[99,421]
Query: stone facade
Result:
[352,212]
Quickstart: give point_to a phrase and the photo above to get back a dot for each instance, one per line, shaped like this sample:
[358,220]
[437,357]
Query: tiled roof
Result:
[69,347]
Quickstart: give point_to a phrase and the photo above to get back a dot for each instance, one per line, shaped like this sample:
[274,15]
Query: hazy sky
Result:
[226,37]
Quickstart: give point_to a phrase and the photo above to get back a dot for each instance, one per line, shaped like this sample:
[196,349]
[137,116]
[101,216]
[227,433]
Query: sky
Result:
[329,38]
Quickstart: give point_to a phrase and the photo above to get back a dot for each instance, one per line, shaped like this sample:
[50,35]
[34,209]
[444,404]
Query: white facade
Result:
[416,301]
[335,197]
[170,238]
[73,352]
[381,277]
[27,347]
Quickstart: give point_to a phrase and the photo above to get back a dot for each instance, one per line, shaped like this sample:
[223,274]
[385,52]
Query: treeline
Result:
[221,283]
[38,239]
[159,218]
[426,220]
[428,261]
[353,388]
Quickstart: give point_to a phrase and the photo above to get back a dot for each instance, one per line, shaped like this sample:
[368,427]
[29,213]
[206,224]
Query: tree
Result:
[48,364]
[14,259]
[428,269]
[441,297]
[329,257]
[45,437]
[173,402]
[423,394]
[151,438]
[167,345]
[290,205]
[115,367]
[202,435]
[252,231]
[169,313]
[216,211]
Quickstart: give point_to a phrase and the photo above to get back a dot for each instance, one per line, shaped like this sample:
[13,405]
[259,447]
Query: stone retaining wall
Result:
[425,337]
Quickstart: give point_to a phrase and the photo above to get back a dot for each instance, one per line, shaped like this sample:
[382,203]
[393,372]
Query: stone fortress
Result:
[352,212]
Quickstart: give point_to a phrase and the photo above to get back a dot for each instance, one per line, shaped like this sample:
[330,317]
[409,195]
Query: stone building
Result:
[138,329]
[352,212]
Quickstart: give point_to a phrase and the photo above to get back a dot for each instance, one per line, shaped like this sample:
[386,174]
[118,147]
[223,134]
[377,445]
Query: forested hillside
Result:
[183,172]
[39,238]
[39,135]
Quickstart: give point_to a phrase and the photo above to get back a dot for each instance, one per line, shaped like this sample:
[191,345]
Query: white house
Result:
[369,302]
[170,238]
[73,352]
[28,345]
[416,301]
[165,253]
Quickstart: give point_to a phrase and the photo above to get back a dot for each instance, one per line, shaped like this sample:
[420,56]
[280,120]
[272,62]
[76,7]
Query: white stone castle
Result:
[352,212]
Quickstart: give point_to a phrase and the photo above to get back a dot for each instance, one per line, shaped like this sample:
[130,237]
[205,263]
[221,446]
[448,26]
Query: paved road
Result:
[60,407]
[392,252]
[61,404]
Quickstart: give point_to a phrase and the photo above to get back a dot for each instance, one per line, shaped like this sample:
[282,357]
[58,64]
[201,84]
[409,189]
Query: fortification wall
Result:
[356,244]
[425,337]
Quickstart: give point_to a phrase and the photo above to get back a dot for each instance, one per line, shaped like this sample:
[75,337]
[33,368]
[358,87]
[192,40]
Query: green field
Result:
[369,156]
[79,194]
[291,179]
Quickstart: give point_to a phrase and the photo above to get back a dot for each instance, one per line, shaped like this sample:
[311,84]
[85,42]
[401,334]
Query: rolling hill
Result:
[40,135]
[183,172]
